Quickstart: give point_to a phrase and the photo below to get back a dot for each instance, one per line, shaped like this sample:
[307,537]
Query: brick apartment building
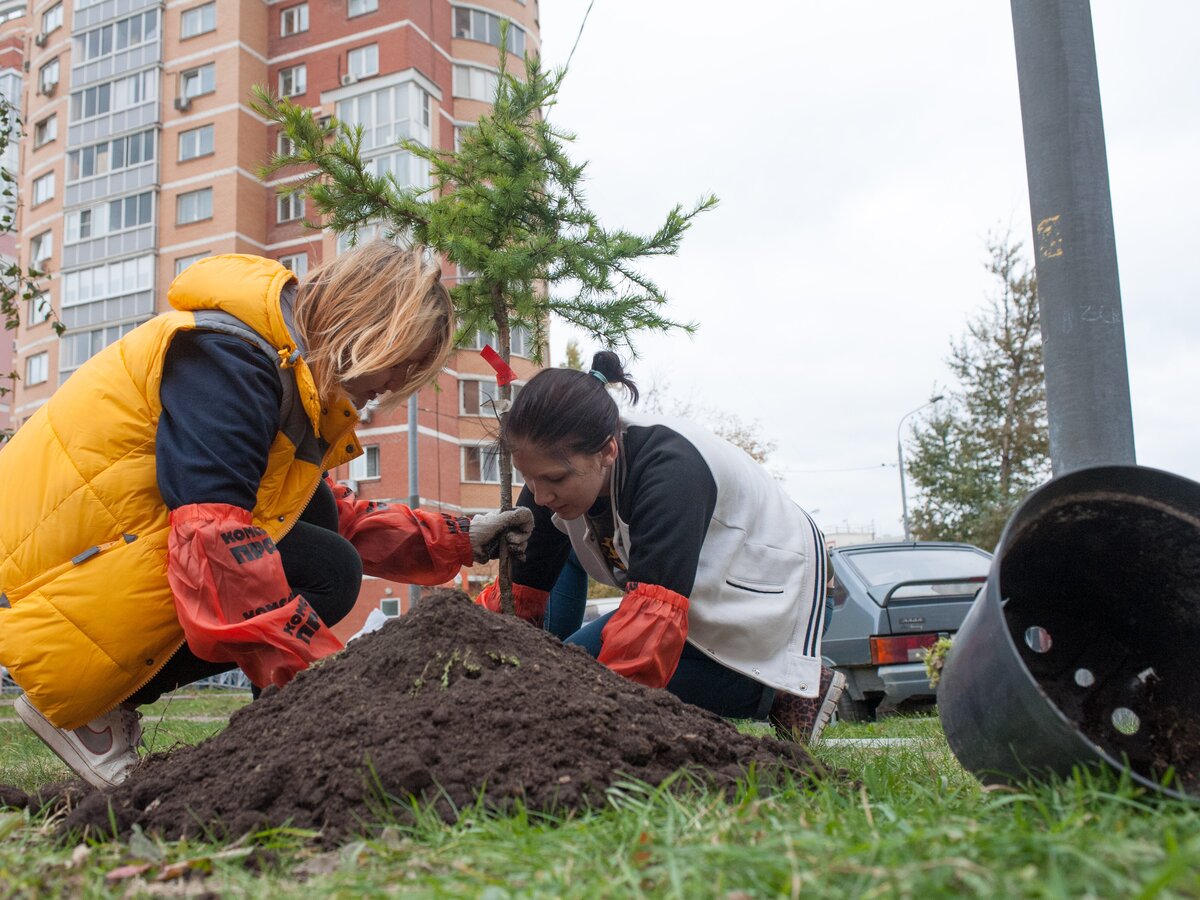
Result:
[139,155]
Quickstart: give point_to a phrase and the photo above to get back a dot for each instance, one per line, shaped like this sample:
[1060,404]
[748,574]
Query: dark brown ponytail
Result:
[565,411]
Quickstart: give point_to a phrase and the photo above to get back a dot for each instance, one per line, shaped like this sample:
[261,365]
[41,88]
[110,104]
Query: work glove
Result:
[514,525]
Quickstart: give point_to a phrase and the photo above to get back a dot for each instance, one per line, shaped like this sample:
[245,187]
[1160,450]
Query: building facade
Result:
[139,156]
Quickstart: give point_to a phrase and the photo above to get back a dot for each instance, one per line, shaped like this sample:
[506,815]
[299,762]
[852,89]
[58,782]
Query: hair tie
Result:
[599,376]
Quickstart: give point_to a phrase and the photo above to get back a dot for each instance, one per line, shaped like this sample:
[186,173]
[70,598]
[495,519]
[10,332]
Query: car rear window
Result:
[891,566]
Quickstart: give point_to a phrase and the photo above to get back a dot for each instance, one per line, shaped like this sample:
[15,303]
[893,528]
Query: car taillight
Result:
[906,648]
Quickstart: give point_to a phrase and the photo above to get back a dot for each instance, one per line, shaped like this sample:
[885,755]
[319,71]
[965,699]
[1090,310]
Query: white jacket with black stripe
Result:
[699,516]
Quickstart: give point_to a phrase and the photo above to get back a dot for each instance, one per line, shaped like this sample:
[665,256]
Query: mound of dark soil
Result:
[447,704]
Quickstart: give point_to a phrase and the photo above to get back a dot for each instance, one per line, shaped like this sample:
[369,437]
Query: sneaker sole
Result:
[50,735]
[837,685]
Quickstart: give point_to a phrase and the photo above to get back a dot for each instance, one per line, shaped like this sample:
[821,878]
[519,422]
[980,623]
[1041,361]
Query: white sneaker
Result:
[103,752]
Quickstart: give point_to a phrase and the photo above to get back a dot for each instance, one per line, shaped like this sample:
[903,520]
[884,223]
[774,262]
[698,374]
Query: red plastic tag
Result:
[504,375]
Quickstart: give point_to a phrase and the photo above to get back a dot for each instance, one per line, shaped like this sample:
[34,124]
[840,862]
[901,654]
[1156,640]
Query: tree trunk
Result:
[504,339]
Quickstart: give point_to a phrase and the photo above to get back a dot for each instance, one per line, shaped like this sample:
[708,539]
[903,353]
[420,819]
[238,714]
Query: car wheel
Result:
[851,710]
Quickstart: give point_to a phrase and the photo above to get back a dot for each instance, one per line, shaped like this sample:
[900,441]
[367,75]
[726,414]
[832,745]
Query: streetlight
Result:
[900,457]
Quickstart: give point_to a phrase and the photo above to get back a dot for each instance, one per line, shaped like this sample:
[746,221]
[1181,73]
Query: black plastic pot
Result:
[1082,648]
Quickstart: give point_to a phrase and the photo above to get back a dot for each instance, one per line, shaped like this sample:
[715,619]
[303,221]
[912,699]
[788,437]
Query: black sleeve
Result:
[667,499]
[546,552]
[220,413]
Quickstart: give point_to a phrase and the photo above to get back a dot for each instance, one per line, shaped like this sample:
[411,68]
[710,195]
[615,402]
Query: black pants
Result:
[318,562]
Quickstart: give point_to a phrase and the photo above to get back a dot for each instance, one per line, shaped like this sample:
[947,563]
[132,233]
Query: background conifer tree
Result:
[977,455]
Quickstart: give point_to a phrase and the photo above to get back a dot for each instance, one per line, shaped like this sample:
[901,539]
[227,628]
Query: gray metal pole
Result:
[414,483]
[1083,336]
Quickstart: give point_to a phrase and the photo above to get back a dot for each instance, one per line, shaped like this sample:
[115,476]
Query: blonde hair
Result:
[370,309]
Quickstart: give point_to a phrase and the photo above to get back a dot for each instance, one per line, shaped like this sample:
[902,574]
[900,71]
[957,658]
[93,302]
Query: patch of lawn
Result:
[911,822]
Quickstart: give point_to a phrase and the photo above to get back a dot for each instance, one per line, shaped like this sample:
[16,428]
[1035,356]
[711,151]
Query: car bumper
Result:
[897,683]
[905,681]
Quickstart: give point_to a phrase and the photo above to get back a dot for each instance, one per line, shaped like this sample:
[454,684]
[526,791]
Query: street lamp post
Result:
[900,458]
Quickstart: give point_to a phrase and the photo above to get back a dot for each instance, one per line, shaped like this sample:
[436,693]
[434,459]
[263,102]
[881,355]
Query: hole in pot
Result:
[1125,720]
[1084,677]
[1038,639]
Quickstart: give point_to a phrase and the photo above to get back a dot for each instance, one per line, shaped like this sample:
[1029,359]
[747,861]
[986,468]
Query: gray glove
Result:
[515,525]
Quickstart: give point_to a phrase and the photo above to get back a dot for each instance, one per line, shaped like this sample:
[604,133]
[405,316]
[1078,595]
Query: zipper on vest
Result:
[145,681]
[289,522]
[96,550]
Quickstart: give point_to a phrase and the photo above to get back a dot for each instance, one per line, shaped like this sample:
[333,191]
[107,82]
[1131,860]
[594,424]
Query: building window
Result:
[360,7]
[48,76]
[198,20]
[195,142]
[39,308]
[520,339]
[198,82]
[116,36]
[131,31]
[45,131]
[360,234]
[284,146]
[293,20]
[479,25]
[293,81]
[184,261]
[110,217]
[366,467]
[111,156]
[363,61]
[52,18]
[78,347]
[120,94]
[102,304]
[390,607]
[482,464]
[477,397]
[407,169]
[37,368]
[289,207]
[475,83]
[41,248]
[108,281]
[388,116]
[297,262]
[194,206]
[43,188]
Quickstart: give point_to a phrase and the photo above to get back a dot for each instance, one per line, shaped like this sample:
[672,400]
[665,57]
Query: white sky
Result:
[862,152]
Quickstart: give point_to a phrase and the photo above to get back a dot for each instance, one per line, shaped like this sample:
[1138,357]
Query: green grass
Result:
[912,824]
[204,703]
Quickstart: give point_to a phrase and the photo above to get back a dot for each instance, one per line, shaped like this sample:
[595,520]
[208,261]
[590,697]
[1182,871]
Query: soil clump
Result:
[448,704]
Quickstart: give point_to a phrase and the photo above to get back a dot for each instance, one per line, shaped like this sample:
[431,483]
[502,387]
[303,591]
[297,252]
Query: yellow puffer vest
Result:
[86,614]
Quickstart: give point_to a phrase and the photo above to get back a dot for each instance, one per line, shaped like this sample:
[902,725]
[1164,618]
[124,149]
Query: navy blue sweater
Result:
[220,414]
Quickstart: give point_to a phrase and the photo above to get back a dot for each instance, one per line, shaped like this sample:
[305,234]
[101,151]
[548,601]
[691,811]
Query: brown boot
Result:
[802,719]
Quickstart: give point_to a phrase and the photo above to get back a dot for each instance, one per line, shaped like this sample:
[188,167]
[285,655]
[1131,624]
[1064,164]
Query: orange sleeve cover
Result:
[232,597]
[402,544]
[530,604]
[645,636]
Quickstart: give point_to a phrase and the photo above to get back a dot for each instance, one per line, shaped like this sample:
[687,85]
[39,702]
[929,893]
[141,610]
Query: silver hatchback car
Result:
[889,603]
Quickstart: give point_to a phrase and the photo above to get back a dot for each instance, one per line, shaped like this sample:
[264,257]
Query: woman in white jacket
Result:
[723,576]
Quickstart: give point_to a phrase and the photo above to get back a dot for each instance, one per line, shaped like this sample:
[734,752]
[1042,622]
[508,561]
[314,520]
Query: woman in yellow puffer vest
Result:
[167,513]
